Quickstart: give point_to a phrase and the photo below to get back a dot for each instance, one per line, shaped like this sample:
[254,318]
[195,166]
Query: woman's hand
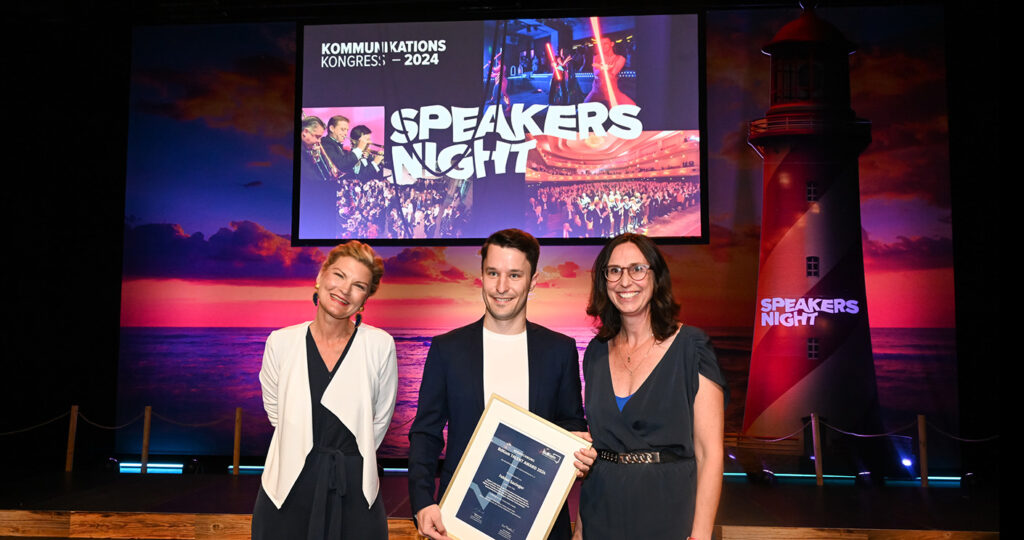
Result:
[585,457]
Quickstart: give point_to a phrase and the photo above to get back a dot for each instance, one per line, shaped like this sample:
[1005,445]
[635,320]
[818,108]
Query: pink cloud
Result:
[281,150]
[916,253]
[422,265]
[243,251]
[567,270]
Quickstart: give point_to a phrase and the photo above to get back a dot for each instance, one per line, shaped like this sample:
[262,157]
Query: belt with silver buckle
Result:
[637,456]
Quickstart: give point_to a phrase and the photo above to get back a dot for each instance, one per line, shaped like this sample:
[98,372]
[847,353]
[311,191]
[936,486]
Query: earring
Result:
[316,299]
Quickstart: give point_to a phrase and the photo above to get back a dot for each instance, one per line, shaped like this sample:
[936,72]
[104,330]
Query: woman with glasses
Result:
[655,402]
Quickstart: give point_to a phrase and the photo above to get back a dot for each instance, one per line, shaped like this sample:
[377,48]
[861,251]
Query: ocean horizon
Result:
[195,376]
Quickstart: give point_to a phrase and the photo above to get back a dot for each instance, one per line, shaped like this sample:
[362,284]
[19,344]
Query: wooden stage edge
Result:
[71,524]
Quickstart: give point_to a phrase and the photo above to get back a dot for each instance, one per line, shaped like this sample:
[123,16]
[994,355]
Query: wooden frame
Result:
[513,477]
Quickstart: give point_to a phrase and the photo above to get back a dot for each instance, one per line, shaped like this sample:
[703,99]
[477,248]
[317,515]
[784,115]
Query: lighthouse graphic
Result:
[812,344]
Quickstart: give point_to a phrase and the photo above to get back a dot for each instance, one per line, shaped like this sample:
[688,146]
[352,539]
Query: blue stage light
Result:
[151,468]
[247,469]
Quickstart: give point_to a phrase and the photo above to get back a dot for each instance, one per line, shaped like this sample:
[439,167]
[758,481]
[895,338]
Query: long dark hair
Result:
[664,308]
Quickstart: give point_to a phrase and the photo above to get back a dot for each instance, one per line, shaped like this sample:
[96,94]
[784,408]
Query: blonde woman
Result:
[329,389]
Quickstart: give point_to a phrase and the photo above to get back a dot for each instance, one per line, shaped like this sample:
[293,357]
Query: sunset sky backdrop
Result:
[209,182]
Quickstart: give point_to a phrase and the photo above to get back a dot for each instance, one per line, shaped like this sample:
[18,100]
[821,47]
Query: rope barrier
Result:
[101,426]
[963,439]
[921,435]
[39,425]
[892,433]
[783,438]
[184,424]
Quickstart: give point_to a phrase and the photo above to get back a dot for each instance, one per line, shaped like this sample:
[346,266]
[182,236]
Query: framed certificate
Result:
[513,477]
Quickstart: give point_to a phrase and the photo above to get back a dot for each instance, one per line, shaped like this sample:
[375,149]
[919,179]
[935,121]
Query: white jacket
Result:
[361,394]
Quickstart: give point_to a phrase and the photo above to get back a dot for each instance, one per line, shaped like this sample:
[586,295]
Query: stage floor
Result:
[787,503]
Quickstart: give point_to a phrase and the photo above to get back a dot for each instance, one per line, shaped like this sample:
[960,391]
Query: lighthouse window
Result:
[812,266]
[812,80]
[812,348]
[798,79]
[786,88]
[812,191]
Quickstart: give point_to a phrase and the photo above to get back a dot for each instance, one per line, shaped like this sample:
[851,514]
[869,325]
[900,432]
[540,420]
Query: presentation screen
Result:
[574,129]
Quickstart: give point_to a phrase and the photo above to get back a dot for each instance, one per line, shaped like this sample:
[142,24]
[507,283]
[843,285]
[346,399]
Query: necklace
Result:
[629,355]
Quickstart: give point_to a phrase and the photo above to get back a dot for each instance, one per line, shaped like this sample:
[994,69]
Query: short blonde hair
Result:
[362,253]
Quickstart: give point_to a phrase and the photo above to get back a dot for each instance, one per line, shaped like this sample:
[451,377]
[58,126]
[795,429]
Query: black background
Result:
[63,207]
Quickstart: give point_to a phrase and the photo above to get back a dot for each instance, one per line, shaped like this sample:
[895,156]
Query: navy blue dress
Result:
[327,500]
[649,501]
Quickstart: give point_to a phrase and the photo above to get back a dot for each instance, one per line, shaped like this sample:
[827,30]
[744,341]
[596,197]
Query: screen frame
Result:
[704,237]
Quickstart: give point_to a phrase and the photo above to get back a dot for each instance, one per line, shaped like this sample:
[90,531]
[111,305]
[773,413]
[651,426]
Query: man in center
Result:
[502,353]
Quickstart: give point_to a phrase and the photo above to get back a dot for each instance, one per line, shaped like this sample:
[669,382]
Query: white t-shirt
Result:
[507,367]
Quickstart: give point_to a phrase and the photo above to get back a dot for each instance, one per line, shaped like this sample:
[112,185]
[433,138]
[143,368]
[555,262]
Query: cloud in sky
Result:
[903,95]
[244,251]
[726,243]
[566,269]
[281,150]
[422,265]
[253,95]
[734,148]
[916,253]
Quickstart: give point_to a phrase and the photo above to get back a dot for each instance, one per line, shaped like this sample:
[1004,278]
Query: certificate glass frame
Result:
[513,478]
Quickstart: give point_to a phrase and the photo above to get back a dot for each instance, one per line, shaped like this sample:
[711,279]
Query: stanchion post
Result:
[72,430]
[238,442]
[816,438]
[922,447]
[146,421]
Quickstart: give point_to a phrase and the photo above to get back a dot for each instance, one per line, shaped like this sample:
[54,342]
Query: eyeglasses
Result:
[637,272]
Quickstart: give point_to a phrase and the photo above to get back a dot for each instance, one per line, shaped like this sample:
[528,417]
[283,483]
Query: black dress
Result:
[649,501]
[327,500]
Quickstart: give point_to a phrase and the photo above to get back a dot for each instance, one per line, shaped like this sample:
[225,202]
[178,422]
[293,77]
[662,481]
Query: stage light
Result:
[151,468]
[865,479]
[907,462]
[804,476]
[596,27]
[247,469]
[551,58]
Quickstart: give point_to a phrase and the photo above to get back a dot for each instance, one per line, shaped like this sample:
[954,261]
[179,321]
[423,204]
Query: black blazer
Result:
[452,392]
[343,159]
